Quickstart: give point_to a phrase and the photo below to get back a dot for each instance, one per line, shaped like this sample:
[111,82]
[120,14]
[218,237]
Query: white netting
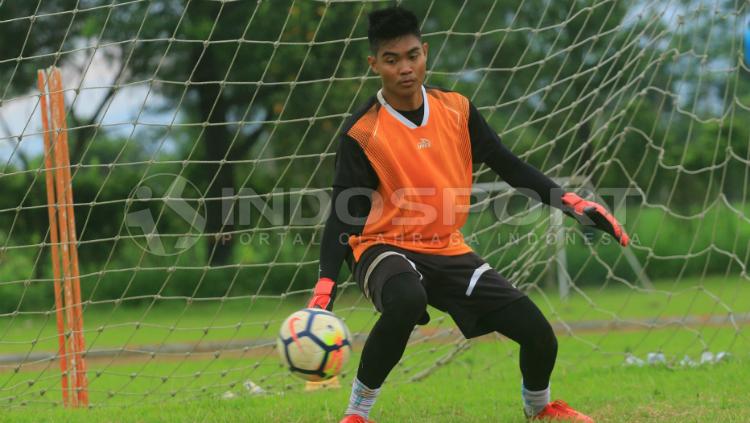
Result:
[202,136]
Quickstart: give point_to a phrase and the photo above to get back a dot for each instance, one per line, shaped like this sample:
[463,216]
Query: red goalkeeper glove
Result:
[323,294]
[603,220]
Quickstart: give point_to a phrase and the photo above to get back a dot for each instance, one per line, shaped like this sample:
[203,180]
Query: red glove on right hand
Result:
[323,294]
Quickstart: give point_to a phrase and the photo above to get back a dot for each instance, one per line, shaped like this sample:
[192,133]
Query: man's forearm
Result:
[334,245]
[520,174]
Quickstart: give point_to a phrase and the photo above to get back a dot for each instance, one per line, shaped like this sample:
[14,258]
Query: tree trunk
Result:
[216,142]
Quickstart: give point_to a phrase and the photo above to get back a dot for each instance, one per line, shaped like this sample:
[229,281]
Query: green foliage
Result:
[667,246]
[18,292]
[271,263]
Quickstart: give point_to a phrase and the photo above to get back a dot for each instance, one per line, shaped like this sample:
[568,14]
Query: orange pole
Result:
[62,213]
[78,338]
[52,215]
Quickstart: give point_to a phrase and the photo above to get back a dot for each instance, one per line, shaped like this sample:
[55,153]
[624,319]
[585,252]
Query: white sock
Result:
[534,401]
[361,399]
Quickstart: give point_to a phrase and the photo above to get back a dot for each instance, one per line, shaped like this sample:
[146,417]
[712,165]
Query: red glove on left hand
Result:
[577,206]
[323,294]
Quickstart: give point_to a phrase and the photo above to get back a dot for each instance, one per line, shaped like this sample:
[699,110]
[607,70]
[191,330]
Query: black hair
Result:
[389,24]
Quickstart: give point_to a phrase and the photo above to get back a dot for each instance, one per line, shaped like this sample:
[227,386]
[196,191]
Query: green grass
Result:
[668,299]
[481,384]
[108,325]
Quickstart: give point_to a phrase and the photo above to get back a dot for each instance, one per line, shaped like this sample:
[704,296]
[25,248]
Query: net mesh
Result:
[202,141]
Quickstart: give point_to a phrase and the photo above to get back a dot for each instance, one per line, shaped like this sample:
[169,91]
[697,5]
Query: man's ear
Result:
[425,48]
[371,61]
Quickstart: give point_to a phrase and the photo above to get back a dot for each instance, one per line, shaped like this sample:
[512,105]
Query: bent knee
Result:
[544,338]
[405,295]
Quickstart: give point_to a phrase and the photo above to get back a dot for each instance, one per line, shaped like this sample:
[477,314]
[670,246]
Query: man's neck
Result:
[413,102]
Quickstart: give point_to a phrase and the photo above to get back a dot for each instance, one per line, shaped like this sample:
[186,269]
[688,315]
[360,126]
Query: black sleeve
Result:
[486,147]
[353,168]
[353,183]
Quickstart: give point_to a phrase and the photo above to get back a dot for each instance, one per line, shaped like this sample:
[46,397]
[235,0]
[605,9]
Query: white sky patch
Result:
[91,78]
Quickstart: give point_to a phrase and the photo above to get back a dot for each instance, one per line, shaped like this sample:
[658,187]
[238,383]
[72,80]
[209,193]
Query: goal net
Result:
[201,138]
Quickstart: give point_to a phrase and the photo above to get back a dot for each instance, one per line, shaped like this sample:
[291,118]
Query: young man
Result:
[403,168]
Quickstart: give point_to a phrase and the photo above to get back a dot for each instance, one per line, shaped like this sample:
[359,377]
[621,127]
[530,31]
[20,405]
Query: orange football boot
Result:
[560,411]
[355,418]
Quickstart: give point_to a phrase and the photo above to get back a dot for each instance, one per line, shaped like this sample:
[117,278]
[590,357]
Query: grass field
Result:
[108,325]
[479,384]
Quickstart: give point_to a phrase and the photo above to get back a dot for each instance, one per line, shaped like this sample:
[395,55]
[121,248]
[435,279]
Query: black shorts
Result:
[464,286]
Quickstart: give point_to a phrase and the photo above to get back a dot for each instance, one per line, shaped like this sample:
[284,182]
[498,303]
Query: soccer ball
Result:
[314,344]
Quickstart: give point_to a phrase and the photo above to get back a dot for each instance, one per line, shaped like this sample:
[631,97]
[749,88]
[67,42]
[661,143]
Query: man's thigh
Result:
[466,287]
[377,265]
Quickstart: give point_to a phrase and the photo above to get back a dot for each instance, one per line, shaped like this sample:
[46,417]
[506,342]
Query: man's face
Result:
[401,64]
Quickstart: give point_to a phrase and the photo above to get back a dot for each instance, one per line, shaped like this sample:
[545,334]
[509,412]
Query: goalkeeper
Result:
[403,171]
